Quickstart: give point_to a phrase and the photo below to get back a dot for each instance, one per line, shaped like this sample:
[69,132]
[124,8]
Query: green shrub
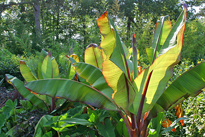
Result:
[194,42]
[9,63]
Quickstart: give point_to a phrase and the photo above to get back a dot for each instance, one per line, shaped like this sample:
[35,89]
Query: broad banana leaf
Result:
[26,72]
[161,67]
[115,70]
[29,76]
[71,90]
[188,84]
[19,86]
[72,59]
[49,67]
[93,55]
[124,93]
[40,61]
[111,44]
[162,29]
[94,77]
[108,41]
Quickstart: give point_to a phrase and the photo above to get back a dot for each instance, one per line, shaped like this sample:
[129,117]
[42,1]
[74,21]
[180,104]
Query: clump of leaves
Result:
[19,121]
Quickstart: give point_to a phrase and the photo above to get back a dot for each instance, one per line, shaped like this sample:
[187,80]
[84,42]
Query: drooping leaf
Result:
[71,90]
[26,72]
[162,68]
[94,77]
[93,55]
[188,84]
[19,85]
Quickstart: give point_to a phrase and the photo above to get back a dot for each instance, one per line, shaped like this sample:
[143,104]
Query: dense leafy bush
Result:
[194,42]
[9,63]
[19,121]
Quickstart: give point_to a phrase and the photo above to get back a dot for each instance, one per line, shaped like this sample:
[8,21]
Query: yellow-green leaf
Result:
[26,72]
[93,56]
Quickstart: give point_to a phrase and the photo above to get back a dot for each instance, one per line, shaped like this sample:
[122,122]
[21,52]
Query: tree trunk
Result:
[128,27]
[84,32]
[37,21]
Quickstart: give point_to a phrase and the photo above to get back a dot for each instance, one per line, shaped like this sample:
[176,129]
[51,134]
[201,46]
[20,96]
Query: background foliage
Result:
[68,26]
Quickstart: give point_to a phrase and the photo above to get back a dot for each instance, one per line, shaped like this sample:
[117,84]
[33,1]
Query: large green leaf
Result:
[40,61]
[39,128]
[188,84]
[162,29]
[26,72]
[106,130]
[124,93]
[118,56]
[49,67]
[71,90]
[72,59]
[108,40]
[19,85]
[94,77]
[111,43]
[93,55]
[115,70]
[162,68]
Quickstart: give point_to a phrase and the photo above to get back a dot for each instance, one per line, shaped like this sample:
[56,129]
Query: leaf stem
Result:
[126,123]
[139,114]
[134,134]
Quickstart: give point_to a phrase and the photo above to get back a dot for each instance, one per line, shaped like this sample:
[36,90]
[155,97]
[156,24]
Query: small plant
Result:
[47,69]
[18,121]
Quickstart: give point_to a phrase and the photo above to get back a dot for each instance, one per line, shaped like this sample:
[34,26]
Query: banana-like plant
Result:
[114,80]
[47,69]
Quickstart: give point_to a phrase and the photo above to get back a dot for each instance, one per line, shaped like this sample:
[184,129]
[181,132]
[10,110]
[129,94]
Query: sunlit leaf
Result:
[161,67]
[188,84]
[94,77]
[108,41]
[123,91]
[93,55]
[71,90]
[26,72]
